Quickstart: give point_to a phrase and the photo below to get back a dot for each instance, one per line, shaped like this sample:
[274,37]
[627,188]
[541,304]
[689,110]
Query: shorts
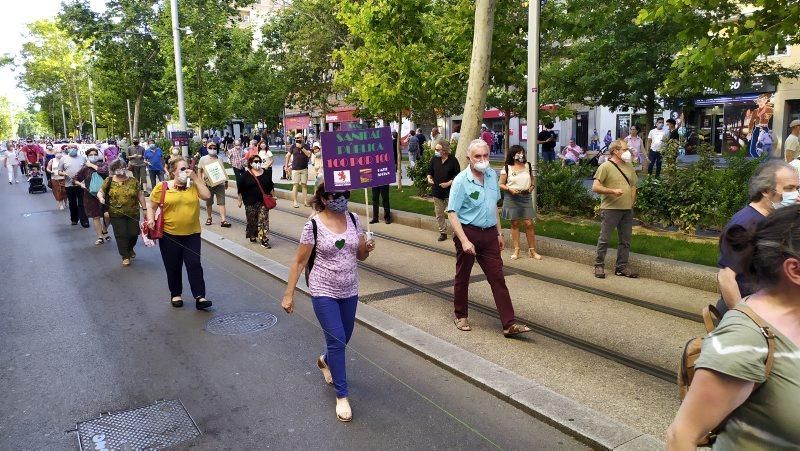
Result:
[299,176]
[218,192]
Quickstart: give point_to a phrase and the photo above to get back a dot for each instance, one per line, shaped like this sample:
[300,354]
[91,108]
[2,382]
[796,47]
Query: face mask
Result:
[626,156]
[519,157]
[94,159]
[787,200]
[136,143]
[212,152]
[152,146]
[73,152]
[338,205]
[182,178]
[256,166]
[481,166]
[660,126]
[120,172]
[437,153]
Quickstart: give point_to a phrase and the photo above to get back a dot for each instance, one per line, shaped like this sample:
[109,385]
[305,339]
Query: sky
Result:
[16,14]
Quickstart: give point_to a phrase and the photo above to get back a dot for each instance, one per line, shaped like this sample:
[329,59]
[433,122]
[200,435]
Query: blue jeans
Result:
[337,318]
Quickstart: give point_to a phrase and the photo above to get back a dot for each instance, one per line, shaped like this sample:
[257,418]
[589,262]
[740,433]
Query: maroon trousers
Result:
[487,250]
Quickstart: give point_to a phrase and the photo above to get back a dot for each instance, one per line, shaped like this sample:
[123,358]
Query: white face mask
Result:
[519,157]
[120,172]
[212,152]
[481,166]
[626,156]
[256,166]
[787,199]
[182,177]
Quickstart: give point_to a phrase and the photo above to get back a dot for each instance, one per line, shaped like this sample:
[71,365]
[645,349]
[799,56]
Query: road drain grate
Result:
[160,425]
[240,323]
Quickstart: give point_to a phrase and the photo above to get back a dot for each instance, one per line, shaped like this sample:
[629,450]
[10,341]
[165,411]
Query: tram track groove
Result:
[608,354]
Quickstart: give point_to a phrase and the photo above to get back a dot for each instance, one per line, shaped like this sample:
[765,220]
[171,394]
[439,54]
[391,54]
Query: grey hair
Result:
[474,144]
[764,179]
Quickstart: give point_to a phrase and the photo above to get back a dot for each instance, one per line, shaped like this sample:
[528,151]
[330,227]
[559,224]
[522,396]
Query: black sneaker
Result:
[202,305]
[266,245]
[374,221]
[442,237]
[627,272]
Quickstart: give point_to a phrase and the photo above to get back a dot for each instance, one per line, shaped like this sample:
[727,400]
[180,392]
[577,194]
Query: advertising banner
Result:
[353,159]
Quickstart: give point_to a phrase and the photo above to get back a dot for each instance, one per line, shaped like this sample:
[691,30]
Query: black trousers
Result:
[126,233]
[378,193]
[76,211]
[179,250]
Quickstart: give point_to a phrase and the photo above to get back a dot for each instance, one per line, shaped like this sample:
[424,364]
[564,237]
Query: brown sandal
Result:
[516,329]
[462,324]
[326,372]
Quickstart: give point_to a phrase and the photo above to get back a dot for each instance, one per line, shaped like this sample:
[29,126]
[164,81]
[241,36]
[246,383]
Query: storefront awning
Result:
[341,115]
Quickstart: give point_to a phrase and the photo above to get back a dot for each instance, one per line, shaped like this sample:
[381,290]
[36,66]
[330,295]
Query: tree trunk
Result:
[399,152]
[478,83]
[137,108]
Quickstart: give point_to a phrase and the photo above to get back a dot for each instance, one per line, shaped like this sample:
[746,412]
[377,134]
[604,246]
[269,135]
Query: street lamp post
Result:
[534,9]
[63,119]
[91,109]
[176,38]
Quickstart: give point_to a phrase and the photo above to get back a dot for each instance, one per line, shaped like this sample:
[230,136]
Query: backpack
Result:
[95,184]
[691,352]
[313,256]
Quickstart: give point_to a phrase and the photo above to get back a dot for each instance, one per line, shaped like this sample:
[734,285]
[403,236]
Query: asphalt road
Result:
[80,335]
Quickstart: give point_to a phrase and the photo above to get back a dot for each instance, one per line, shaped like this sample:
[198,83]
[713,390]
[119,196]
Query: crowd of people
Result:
[759,275]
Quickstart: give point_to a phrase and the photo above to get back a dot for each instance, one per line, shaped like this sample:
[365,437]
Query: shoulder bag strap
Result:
[711,317]
[766,332]
[258,184]
[164,188]
[620,171]
[352,218]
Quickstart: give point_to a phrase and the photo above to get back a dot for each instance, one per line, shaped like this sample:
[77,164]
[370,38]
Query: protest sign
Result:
[353,159]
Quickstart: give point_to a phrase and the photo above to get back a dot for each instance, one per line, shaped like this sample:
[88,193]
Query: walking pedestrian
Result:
[635,145]
[414,148]
[316,164]
[791,146]
[11,162]
[487,136]
[267,158]
[516,182]
[594,141]
[57,180]
[547,139]
[443,169]
[254,184]
[773,185]
[111,152]
[337,240]
[608,139]
[68,167]
[472,209]
[297,159]
[765,140]
[747,377]
[655,140]
[34,154]
[181,242]
[236,158]
[154,160]
[91,206]
[136,162]
[615,182]
[123,198]
[217,190]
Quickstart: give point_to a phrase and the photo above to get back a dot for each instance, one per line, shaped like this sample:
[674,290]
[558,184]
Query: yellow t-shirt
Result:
[181,210]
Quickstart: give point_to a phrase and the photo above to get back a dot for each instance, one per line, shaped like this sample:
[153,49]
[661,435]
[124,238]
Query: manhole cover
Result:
[240,323]
[160,425]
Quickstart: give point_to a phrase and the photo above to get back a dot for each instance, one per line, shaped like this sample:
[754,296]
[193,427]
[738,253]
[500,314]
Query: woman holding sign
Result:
[253,185]
[331,245]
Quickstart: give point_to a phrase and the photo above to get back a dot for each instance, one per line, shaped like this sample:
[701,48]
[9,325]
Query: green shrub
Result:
[561,190]
[419,173]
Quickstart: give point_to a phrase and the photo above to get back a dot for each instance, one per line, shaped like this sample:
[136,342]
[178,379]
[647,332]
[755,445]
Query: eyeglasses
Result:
[183,169]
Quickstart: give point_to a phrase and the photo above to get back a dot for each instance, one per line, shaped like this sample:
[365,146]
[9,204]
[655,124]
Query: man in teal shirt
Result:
[472,210]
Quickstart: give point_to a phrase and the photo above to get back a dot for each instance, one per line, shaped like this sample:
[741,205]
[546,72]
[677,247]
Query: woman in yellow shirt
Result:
[181,242]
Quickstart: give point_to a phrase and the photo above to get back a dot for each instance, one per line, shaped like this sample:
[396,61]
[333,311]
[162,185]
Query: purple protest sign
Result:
[353,159]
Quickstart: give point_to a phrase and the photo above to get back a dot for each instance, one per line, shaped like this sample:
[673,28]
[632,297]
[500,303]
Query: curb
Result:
[586,424]
[691,275]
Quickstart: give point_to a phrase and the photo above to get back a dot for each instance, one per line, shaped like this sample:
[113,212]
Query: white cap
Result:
[316,144]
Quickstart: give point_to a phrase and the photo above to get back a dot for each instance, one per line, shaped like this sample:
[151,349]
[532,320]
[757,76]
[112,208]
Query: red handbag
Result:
[158,228]
[269,201]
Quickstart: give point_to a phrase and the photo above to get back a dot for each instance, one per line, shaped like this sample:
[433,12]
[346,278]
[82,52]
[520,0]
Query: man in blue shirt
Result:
[472,210]
[154,159]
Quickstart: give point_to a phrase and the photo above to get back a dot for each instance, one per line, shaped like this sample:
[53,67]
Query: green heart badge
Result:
[475,195]
[339,244]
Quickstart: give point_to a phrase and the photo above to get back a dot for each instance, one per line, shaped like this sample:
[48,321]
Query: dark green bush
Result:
[562,190]
[419,173]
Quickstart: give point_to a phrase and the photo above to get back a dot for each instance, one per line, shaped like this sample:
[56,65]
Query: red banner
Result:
[296,122]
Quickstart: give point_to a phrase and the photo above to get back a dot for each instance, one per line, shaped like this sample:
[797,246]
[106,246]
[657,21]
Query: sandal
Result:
[343,411]
[515,255]
[107,237]
[265,244]
[99,241]
[209,221]
[533,254]
[224,224]
[176,302]
[516,329]
[462,324]
[326,372]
